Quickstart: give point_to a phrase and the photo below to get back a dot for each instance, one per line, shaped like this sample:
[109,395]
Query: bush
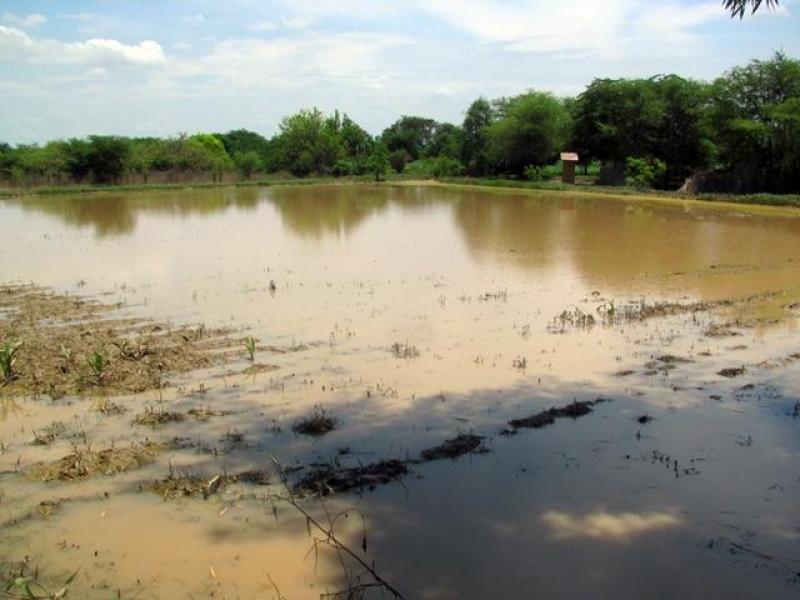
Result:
[644,173]
[534,173]
[398,159]
[247,163]
[440,166]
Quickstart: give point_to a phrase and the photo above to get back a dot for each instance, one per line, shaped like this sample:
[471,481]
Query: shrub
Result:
[398,160]
[644,173]
[534,173]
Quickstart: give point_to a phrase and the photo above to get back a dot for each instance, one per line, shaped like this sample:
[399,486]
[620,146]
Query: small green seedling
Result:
[8,356]
[97,363]
[250,346]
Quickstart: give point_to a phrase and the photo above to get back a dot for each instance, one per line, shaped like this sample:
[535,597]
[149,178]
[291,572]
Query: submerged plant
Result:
[97,363]
[22,582]
[8,356]
[250,346]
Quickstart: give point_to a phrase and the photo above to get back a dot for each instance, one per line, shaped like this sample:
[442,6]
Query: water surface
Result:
[474,281]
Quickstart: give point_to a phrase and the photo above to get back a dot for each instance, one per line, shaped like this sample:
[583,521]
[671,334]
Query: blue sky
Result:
[159,67]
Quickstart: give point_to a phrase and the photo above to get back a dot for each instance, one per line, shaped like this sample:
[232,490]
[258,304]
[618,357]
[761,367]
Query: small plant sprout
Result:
[250,346]
[97,363]
[66,357]
[8,356]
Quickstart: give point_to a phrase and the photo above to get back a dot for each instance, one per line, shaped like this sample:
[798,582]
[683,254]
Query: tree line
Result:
[744,127]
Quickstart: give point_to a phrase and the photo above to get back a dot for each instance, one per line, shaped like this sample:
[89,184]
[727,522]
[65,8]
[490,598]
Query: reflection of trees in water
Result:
[116,214]
[313,212]
[522,231]
[611,243]
[607,242]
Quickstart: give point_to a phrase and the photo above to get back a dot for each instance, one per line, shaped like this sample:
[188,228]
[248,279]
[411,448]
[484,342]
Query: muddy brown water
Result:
[410,314]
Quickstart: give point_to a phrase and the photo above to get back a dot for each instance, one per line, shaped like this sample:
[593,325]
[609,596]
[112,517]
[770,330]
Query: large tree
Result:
[754,115]
[532,130]
[478,117]
[412,134]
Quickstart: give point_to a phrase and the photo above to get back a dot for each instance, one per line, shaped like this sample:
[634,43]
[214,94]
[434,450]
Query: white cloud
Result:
[612,29]
[674,19]
[537,25]
[195,19]
[263,26]
[16,44]
[297,22]
[291,61]
[33,20]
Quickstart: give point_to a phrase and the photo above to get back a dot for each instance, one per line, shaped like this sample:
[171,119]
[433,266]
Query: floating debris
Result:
[328,480]
[732,372]
[152,417]
[465,443]
[399,350]
[204,414]
[549,416]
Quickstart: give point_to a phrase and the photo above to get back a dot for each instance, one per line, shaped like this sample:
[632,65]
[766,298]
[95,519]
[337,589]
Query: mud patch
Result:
[86,463]
[75,346]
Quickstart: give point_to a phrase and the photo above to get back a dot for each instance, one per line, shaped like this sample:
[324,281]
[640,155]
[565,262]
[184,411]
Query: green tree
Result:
[753,114]
[474,151]
[412,134]
[107,158]
[379,161]
[615,119]
[209,152]
[532,130]
[309,143]
[447,140]
[398,160]
[247,163]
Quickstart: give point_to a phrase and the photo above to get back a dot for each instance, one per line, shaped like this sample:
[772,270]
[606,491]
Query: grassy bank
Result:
[57,190]
[787,200]
[791,200]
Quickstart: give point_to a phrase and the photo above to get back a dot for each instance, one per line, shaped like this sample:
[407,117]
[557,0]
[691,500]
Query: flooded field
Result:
[370,391]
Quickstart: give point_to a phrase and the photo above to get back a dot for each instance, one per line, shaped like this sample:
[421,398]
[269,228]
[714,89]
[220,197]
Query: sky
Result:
[69,68]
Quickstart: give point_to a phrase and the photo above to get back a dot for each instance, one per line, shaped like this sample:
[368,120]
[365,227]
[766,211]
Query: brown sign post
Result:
[569,161]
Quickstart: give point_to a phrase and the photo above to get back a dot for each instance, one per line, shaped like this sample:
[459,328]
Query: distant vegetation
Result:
[742,130]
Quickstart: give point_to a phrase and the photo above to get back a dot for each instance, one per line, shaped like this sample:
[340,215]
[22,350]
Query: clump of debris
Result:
[464,443]
[548,417]
[85,462]
[329,480]
[153,417]
[316,424]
